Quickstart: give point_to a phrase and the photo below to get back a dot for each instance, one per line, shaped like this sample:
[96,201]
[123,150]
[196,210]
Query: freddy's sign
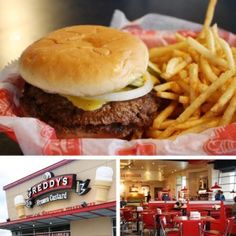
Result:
[53,183]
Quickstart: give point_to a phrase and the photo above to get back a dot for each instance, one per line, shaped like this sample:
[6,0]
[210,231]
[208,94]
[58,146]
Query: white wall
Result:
[101,226]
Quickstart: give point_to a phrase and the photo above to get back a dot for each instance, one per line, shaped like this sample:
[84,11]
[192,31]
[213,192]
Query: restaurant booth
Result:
[69,198]
[182,197]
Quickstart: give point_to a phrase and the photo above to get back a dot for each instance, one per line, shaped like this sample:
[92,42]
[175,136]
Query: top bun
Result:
[84,60]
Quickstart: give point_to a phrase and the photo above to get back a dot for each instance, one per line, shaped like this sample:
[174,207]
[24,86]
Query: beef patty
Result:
[114,119]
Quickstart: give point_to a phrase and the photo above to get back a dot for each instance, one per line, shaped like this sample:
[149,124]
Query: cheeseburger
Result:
[88,81]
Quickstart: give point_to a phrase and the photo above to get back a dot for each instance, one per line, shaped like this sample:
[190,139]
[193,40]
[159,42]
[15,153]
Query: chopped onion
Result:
[128,95]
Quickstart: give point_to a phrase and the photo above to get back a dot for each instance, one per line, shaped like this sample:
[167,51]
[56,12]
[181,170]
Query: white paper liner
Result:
[37,138]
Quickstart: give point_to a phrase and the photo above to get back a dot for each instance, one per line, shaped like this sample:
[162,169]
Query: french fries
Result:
[164,115]
[197,82]
[209,17]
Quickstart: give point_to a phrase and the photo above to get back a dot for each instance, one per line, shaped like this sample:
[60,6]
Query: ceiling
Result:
[166,166]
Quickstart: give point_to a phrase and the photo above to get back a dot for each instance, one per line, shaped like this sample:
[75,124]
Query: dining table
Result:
[207,220]
[25,21]
[178,219]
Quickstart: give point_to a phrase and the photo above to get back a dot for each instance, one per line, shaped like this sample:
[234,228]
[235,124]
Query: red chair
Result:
[128,216]
[166,229]
[230,225]
[149,222]
[221,228]
[219,225]
[191,227]
[204,213]
[128,219]
[170,217]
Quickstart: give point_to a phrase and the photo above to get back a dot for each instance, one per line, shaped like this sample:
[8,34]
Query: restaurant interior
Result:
[178,197]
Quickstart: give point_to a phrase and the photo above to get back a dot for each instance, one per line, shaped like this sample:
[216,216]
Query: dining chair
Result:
[191,228]
[149,222]
[170,218]
[127,219]
[224,228]
[129,216]
[166,229]
[204,213]
[230,225]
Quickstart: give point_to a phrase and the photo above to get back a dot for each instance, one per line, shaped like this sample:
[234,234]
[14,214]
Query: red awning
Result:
[107,209]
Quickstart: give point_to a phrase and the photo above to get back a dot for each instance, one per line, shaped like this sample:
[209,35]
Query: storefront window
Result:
[49,231]
[178,187]
[227,180]
[183,181]
[61,233]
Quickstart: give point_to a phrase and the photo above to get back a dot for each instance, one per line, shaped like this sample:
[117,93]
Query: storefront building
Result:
[69,198]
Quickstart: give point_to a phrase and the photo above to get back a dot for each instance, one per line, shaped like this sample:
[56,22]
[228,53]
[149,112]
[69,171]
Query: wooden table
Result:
[24,21]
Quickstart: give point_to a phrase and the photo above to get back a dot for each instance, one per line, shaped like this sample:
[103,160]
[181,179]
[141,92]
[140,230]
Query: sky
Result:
[14,168]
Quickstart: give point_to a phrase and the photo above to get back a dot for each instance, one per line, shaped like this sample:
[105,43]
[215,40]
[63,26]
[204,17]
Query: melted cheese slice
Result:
[93,104]
[85,104]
